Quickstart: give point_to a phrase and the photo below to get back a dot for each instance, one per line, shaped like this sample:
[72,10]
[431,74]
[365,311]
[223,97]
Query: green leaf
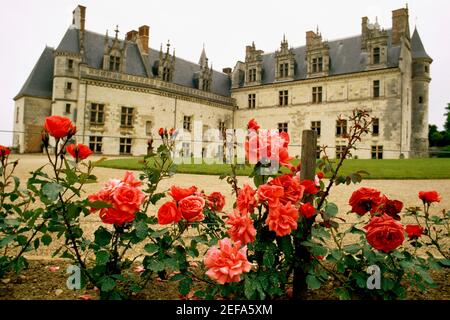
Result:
[184,286]
[36,243]
[52,190]
[151,248]
[102,257]
[352,248]
[285,244]
[158,233]
[313,282]
[102,236]
[249,288]
[141,230]
[6,240]
[156,197]
[46,239]
[331,209]
[268,259]
[107,284]
[445,262]
[99,205]
[342,293]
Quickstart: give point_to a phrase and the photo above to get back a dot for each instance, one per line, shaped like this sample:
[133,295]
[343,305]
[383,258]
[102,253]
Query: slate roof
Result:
[184,70]
[345,57]
[417,49]
[40,81]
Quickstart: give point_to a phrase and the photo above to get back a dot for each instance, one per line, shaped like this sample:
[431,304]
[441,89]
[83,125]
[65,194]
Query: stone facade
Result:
[119,92]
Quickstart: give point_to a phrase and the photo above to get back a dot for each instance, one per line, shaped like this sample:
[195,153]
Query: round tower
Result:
[421,62]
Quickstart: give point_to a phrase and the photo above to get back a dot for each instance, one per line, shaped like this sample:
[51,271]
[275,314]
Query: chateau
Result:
[120,91]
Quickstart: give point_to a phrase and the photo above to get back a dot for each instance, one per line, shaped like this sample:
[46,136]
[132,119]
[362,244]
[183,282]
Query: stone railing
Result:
[152,83]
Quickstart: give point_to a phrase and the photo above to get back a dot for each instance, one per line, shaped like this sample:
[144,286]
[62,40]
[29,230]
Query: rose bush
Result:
[281,235]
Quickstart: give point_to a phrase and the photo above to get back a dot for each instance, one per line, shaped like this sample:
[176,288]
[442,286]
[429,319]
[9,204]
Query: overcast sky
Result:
[225,27]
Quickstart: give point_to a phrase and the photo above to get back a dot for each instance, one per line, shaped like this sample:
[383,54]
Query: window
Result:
[420,99]
[283,70]
[185,149]
[317,64]
[375,127]
[252,75]
[95,144]
[97,113]
[187,121]
[222,127]
[284,98]
[377,152]
[126,117]
[376,55]
[67,107]
[114,63]
[69,86]
[317,94]
[427,69]
[148,128]
[206,84]
[252,100]
[376,88]
[17,114]
[340,150]
[315,125]
[166,74]
[70,64]
[283,127]
[318,151]
[341,128]
[125,146]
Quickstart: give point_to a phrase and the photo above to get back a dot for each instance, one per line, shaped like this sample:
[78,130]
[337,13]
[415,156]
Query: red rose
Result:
[246,201]
[168,213]
[414,231]
[293,190]
[59,127]
[4,151]
[192,208]
[253,125]
[271,194]
[114,216]
[429,196]
[320,175]
[364,200]
[282,219]
[390,207]
[79,151]
[171,131]
[161,132]
[310,187]
[384,233]
[241,227]
[178,193]
[128,198]
[307,210]
[216,201]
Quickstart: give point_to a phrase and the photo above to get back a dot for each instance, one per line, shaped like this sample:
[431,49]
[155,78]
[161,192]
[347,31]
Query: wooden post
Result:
[302,256]
[308,160]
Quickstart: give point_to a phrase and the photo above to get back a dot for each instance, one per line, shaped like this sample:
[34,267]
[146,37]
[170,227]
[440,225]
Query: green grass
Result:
[432,168]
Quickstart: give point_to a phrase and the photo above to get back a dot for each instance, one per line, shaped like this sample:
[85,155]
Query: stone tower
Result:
[419,107]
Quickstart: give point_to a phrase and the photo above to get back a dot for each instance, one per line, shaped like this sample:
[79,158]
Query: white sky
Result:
[225,27]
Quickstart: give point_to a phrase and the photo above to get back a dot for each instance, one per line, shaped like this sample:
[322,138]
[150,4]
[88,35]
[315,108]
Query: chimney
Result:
[310,35]
[400,25]
[131,35]
[364,31]
[79,17]
[143,37]
[228,71]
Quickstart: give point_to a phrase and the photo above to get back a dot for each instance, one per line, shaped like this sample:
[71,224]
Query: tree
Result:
[447,120]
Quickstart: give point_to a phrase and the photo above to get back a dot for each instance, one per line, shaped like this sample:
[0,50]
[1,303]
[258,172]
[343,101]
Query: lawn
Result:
[432,168]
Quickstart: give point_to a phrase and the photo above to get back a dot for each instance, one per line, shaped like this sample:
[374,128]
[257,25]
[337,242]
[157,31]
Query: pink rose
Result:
[191,208]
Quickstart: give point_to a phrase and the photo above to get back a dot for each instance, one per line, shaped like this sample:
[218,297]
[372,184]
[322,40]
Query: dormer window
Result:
[284,70]
[166,74]
[114,63]
[376,55]
[317,64]
[70,64]
[251,75]
[206,85]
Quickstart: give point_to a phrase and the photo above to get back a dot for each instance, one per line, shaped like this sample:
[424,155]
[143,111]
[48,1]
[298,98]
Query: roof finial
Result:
[117,30]
[317,29]
[168,45]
